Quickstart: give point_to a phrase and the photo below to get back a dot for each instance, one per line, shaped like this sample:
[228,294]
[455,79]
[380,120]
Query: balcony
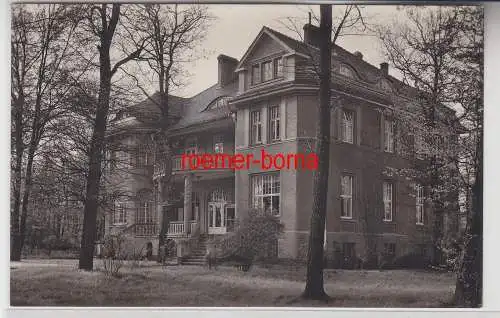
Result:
[176,228]
[146,229]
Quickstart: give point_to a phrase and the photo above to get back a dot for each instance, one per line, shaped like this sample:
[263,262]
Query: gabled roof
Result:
[287,42]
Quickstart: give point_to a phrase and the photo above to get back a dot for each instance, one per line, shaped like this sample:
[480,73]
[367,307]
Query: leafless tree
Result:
[102,21]
[440,53]
[176,33]
[41,49]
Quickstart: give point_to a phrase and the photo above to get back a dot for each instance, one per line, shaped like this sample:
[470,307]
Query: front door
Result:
[216,218]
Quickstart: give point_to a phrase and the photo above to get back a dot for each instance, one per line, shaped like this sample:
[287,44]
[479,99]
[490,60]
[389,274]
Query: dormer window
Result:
[255,74]
[220,102]
[347,71]
[278,67]
[267,71]
[385,85]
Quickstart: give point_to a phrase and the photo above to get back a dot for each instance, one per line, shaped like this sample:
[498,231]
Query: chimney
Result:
[358,54]
[311,35]
[227,66]
[384,67]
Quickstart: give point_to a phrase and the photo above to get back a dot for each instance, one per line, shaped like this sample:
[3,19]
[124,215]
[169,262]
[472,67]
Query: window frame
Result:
[145,213]
[385,200]
[256,74]
[218,141]
[278,67]
[269,71]
[389,143]
[344,125]
[257,197]
[346,197]
[258,127]
[275,123]
[120,218]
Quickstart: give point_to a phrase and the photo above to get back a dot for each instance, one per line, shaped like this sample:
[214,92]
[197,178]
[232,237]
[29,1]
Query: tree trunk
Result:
[314,280]
[95,157]
[16,246]
[469,286]
[26,195]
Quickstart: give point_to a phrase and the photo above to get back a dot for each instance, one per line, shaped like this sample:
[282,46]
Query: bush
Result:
[254,238]
[114,254]
[52,242]
[410,261]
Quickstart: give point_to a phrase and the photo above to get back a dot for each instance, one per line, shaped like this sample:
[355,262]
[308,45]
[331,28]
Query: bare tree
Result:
[103,20]
[41,47]
[439,51]
[176,32]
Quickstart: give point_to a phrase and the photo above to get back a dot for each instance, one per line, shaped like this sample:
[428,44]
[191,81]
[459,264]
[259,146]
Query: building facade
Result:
[267,103]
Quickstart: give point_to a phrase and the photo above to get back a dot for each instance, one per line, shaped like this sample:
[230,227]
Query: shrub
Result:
[410,261]
[114,254]
[52,243]
[255,237]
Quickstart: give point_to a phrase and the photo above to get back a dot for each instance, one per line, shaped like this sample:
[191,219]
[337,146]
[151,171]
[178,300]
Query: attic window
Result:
[220,102]
[347,71]
[122,115]
[385,85]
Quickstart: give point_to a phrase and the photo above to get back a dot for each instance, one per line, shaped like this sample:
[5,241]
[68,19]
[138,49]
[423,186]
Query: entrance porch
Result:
[206,208]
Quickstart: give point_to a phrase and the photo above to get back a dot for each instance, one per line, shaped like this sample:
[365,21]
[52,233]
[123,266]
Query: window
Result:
[278,67]
[191,146]
[120,213]
[347,126]
[274,123]
[420,204]
[347,71]
[390,250]
[346,197]
[266,193]
[143,157]
[255,74]
[220,102]
[388,201]
[267,71]
[256,127]
[388,135]
[385,85]
[218,144]
[145,213]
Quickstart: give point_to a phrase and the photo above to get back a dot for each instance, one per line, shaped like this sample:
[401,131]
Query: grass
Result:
[59,283]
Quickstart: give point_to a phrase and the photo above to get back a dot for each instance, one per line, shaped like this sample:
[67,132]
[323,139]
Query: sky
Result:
[236,26]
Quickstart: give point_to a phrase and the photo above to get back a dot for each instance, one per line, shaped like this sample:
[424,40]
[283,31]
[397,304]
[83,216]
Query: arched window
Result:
[385,85]
[347,71]
[219,103]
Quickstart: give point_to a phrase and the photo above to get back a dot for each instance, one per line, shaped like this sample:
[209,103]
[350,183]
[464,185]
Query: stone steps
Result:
[197,256]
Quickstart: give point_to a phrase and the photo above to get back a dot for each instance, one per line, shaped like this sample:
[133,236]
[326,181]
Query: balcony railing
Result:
[214,161]
[176,228]
[146,229]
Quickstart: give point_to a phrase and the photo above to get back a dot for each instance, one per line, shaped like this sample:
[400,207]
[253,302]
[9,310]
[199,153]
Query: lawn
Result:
[59,283]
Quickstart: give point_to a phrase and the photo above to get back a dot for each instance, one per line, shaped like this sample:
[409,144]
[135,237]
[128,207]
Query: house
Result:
[267,103]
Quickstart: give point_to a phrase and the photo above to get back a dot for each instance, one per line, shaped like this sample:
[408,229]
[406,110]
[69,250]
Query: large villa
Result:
[266,102]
